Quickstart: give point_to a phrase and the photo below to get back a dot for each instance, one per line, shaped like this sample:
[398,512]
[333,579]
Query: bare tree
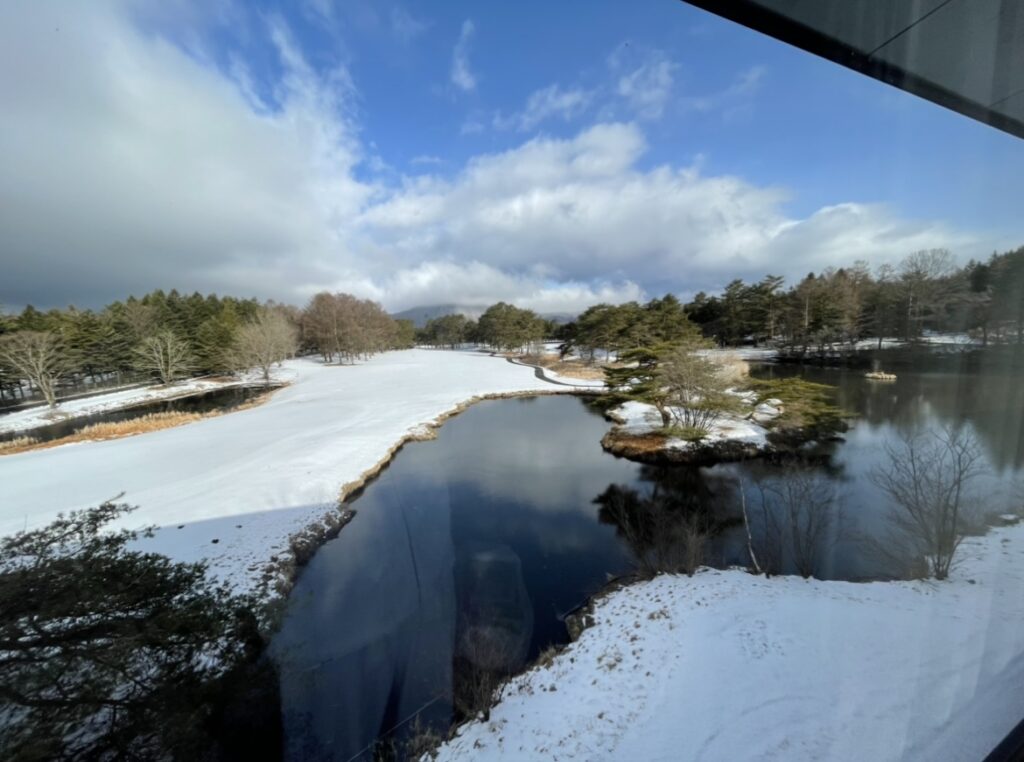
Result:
[342,325]
[38,356]
[928,479]
[164,354]
[264,341]
[924,282]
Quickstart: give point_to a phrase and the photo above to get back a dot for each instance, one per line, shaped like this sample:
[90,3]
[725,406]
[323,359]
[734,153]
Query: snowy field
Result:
[25,420]
[728,666]
[233,488]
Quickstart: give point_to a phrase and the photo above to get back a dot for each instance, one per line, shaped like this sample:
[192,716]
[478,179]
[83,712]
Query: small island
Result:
[680,401]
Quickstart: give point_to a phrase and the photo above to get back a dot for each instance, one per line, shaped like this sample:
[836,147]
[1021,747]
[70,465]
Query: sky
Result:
[553,155]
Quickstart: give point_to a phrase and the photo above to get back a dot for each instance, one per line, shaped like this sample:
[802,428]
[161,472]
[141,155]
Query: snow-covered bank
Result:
[26,420]
[239,485]
[726,665]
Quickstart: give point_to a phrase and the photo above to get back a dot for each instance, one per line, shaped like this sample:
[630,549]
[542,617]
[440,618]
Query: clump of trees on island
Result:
[167,336]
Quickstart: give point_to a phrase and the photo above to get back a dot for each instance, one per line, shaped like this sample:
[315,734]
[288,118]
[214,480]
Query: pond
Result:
[468,551]
[219,399]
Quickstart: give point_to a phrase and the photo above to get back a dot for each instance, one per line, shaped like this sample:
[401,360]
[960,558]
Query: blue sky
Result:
[552,154]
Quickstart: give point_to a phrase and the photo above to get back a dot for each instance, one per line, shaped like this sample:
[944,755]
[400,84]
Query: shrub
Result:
[106,651]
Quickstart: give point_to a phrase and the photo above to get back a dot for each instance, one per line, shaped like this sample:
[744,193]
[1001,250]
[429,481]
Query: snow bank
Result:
[232,489]
[725,665]
[26,420]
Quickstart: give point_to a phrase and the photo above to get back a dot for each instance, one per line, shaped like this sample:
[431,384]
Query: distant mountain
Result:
[420,315]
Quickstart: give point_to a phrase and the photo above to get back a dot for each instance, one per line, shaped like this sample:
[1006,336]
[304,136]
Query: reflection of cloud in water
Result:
[370,631]
[549,471]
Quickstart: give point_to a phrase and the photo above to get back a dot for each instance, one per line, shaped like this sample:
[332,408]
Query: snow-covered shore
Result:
[26,420]
[725,665]
[232,489]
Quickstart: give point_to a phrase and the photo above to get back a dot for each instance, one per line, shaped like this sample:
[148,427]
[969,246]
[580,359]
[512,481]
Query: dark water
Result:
[515,515]
[220,399]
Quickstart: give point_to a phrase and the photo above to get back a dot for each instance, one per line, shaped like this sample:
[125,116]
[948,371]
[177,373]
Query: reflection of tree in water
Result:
[979,387]
[668,528]
[693,516]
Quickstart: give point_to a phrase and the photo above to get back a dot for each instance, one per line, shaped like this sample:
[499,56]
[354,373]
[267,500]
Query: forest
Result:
[164,336]
[926,292]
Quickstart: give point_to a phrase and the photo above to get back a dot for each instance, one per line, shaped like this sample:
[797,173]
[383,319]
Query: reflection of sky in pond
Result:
[496,519]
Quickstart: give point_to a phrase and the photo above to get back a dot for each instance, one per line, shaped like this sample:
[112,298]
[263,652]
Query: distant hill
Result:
[420,315]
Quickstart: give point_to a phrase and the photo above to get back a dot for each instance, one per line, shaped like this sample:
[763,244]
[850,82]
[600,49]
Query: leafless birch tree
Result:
[164,354]
[37,356]
[264,341]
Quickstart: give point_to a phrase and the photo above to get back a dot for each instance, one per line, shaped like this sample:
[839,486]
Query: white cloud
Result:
[130,165]
[740,89]
[404,25]
[477,283]
[646,88]
[461,74]
[471,126]
[546,103]
[583,209]
[426,159]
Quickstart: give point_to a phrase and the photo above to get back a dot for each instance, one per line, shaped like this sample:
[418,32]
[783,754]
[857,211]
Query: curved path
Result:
[538,371]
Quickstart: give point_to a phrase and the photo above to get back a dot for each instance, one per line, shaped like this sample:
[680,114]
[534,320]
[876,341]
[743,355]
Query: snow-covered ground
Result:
[233,488]
[726,665]
[741,353]
[639,418]
[25,420]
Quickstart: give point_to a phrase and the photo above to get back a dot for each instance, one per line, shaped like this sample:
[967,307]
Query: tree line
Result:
[926,291]
[165,336]
[502,327]
[837,307]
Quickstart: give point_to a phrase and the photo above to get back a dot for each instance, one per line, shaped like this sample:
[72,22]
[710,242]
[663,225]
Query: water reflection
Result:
[467,552]
[936,390]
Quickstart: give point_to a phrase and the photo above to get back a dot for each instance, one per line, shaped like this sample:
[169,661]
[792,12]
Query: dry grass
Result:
[636,444]
[17,445]
[100,431]
[732,368]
